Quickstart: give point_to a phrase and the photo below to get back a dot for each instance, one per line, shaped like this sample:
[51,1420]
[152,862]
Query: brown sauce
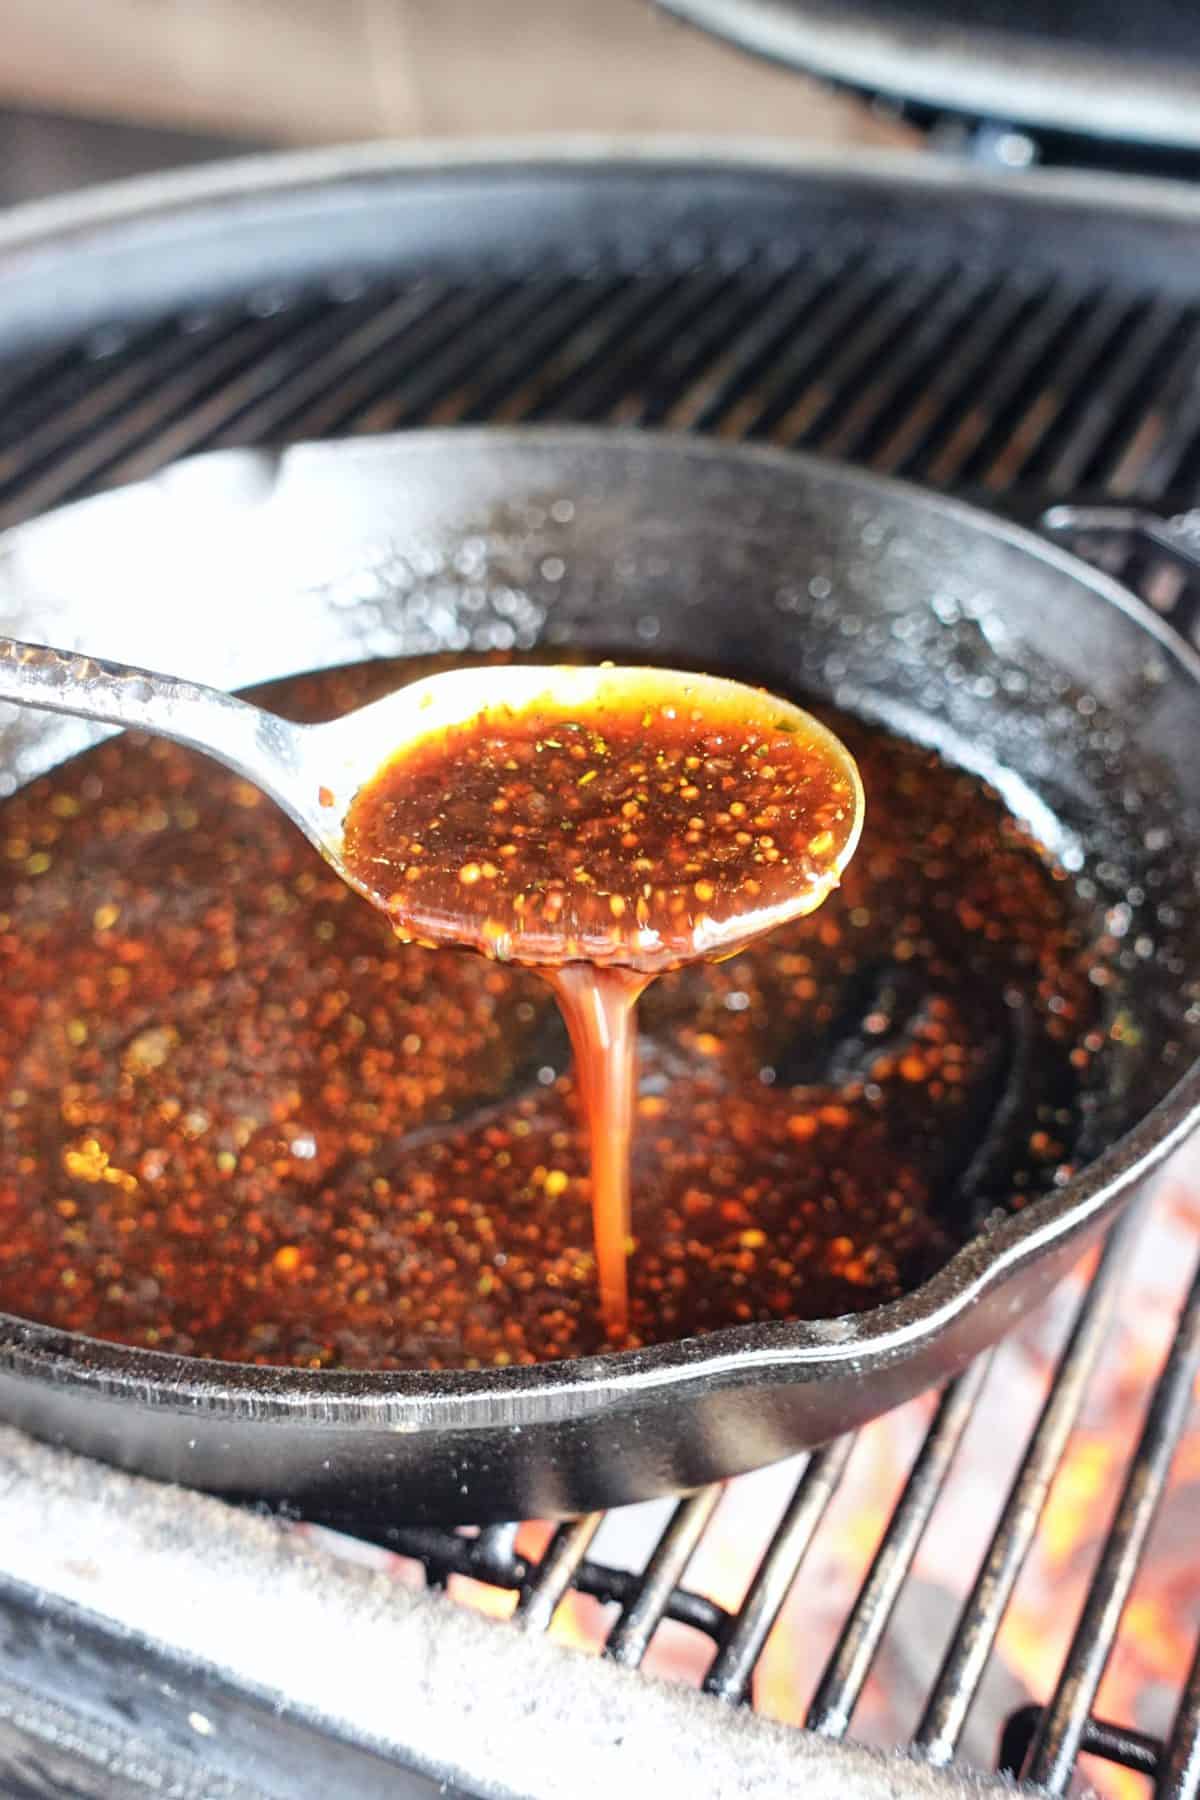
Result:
[238,1120]
[660,823]
[599,1005]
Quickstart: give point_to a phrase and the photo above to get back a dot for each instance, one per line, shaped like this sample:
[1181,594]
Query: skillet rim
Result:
[786,1351]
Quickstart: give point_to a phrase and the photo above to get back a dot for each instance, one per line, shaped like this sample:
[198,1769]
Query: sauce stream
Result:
[599,1006]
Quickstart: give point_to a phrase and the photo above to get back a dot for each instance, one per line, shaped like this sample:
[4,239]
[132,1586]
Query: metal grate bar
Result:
[841,1685]
[855,356]
[1145,461]
[544,1591]
[1180,1778]
[444,1553]
[630,1637]
[1118,1744]
[1175,464]
[332,338]
[941,1725]
[753,350]
[86,387]
[92,393]
[1060,1734]
[33,386]
[604,381]
[377,375]
[159,396]
[582,378]
[950,385]
[507,370]
[686,359]
[1075,367]
[1105,410]
[493,1558]
[545,391]
[494,1550]
[496,316]
[741,1644]
[1027,358]
[902,376]
[615,392]
[841,305]
[388,327]
[753,347]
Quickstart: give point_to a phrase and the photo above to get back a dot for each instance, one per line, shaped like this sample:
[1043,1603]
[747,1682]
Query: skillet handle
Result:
[1174,535]
[1095,532]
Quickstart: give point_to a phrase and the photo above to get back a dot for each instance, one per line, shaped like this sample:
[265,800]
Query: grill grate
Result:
[1021,386]
[957,1682]
[1044,1743]
[952,375]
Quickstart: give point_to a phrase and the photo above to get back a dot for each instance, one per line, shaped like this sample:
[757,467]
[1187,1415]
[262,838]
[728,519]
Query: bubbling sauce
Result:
[239,1120]
[663,820]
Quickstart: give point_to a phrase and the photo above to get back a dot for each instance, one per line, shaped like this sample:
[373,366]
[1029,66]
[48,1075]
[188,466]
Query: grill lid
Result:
[1114,78]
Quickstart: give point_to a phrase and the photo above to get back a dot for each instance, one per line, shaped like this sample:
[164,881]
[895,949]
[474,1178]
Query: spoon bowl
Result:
[315,772]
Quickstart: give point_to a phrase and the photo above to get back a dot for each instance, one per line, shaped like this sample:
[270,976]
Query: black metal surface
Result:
[1098,84]
[1165,27]
[446,1553]
[1118,1744]
[1015,348]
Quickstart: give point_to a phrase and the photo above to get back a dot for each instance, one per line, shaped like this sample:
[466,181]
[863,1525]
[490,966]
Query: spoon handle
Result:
[248,740]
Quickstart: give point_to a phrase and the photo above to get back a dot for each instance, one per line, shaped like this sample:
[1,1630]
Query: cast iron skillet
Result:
[1011,656]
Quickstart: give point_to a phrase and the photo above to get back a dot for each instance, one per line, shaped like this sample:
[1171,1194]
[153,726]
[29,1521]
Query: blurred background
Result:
[92,90]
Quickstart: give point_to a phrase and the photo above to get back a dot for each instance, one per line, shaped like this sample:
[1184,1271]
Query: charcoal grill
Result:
[1032,342]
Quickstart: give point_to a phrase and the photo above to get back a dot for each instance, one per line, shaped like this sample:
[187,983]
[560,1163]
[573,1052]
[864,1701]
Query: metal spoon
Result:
[314,771]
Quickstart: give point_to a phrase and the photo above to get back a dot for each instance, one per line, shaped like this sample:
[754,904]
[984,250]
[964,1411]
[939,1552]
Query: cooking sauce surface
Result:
[237,1119]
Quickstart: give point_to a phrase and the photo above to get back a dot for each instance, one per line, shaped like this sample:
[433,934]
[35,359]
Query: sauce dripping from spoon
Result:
[620,823]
